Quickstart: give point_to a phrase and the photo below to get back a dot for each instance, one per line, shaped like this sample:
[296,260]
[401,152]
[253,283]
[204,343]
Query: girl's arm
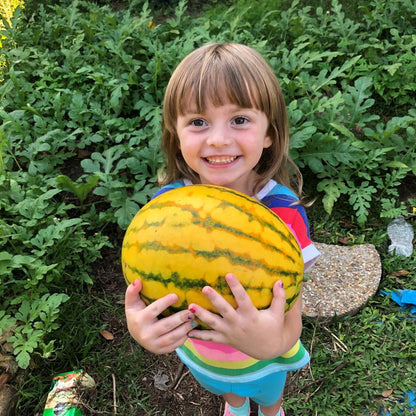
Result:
[261,334]
[159,336]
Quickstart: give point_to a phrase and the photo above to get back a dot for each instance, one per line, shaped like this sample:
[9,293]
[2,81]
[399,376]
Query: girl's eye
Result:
[198,122]
[240,120]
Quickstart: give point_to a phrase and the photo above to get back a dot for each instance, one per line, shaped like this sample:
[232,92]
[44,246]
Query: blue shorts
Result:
[264,391]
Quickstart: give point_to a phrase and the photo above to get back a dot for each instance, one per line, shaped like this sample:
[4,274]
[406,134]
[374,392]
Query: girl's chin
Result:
[225,183]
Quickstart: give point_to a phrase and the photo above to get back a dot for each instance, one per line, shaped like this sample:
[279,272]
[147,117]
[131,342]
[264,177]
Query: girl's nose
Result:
[218,137]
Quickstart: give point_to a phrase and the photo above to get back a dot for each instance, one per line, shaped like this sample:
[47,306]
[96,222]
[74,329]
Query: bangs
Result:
[218,81]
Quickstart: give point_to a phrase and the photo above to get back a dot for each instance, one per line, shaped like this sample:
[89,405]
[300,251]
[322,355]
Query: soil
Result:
[183,395]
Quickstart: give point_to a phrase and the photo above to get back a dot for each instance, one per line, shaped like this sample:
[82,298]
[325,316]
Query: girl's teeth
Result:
[221,160]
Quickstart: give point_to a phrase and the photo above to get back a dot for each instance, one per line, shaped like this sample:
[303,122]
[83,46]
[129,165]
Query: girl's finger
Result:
[160,305]
[219,303]
[213,320]
[206,335]
[278,302]
[172,322]
[174,339]
[240,295]
[132,298]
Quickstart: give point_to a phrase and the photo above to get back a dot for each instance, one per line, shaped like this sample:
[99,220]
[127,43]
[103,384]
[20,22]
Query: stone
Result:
[342,281]
[7,400]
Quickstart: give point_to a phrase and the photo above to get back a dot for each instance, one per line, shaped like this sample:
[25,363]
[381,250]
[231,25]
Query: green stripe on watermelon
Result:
[155,204]
[182,282]
[214,254]
[208,224]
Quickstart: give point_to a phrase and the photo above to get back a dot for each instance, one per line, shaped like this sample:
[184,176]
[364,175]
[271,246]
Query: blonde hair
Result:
[221,73]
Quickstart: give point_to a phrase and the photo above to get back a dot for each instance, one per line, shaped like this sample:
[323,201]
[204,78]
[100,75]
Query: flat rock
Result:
[342,280]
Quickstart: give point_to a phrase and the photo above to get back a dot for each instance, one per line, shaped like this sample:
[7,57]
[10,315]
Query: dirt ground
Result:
[183,396]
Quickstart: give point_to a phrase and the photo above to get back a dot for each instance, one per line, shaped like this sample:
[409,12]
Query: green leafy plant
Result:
[41,250]
[349,157]
[32,322]
[81,190]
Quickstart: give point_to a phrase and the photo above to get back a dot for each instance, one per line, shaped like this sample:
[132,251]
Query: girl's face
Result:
[224,144]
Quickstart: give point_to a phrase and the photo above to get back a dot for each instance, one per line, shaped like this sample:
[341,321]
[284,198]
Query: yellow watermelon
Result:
[192,236]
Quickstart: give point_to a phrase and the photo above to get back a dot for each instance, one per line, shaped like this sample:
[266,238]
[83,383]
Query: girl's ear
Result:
[267,142]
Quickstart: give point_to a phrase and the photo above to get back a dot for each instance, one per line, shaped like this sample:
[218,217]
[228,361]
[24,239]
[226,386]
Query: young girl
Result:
[225,123]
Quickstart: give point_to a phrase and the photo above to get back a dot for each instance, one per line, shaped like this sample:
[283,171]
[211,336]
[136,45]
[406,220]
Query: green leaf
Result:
[23,359]
[115,98]
[23,314]
[358,102]
[332,189]
[80,189]
[337,72]
[360,198]
[301,136]
[6,322]
[397,164]
[126,213]
[393,68]
[343,130]
[6,263]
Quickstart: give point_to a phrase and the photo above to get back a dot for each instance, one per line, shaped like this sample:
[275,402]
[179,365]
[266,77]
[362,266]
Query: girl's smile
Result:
[224,144]
[221,160]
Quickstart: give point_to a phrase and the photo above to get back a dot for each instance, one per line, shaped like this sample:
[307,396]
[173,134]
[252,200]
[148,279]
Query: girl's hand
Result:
[261,334]
[159,336]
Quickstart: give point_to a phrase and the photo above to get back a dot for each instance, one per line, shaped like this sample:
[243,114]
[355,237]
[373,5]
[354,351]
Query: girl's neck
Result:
[258,187]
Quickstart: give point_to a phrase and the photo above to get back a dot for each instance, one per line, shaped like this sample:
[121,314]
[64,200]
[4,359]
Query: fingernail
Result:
[193,324]
[281,284]
[192,309]
[134,282]
[190,317]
